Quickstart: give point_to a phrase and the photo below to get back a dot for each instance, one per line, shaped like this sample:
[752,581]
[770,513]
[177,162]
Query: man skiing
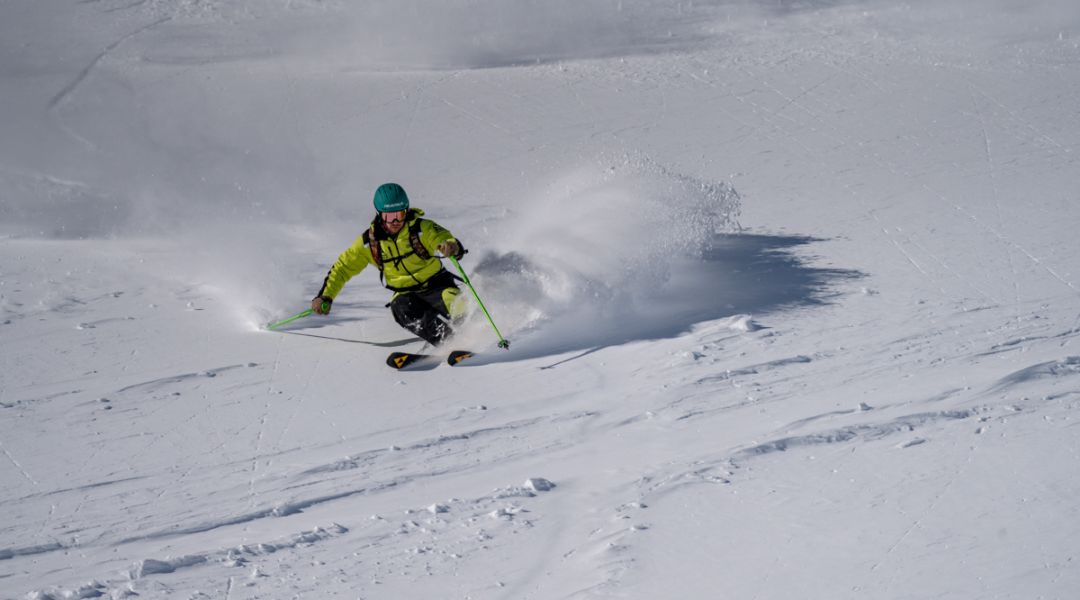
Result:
[402,245]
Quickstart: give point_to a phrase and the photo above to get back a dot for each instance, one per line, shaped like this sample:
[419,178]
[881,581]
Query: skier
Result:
[402,245]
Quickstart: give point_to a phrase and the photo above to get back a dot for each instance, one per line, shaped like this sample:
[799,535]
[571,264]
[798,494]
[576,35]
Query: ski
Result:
[401,360]
[457,356]
[405,360]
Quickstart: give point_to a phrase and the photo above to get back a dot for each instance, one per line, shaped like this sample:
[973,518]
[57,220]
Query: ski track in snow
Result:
[156,385]
[1066,367]
[906,423]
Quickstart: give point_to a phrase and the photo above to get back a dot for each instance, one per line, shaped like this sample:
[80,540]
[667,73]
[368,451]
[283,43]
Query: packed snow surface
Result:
[792,292]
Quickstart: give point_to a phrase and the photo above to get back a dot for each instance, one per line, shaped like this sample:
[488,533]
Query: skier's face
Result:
[393,221]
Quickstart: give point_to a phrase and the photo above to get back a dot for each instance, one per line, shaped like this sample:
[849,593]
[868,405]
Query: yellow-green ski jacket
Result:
[402,269]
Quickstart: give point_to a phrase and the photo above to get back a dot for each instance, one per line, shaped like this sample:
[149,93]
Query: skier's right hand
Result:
[321,304]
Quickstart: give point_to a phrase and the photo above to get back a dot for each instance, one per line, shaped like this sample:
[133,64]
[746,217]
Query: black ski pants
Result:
[424,312]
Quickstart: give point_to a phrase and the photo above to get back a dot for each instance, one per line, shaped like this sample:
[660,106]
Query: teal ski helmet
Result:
[391,197]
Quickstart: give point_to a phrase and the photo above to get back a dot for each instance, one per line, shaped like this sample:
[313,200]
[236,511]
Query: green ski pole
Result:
[293,318]
[503,342]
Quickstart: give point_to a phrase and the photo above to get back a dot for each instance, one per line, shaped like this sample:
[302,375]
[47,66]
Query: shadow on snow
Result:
[737,274]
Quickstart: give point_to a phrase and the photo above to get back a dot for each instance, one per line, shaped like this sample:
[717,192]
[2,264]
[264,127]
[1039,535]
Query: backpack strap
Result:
[373,246]
[414,240]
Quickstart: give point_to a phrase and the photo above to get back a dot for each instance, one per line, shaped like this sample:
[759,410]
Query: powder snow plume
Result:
[588,262]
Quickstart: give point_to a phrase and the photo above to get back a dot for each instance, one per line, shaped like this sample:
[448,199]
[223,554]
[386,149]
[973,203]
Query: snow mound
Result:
[743,323]
[539,484]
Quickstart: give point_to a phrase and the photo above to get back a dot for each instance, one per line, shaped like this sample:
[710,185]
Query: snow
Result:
[791,290]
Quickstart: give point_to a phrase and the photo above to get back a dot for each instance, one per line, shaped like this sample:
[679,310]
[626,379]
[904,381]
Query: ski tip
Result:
[400,360]
[457,356]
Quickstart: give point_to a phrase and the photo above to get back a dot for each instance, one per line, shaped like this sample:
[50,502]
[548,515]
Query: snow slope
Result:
[792,292]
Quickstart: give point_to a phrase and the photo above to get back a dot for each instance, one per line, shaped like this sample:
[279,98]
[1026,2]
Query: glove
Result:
[321,304]
[451,248]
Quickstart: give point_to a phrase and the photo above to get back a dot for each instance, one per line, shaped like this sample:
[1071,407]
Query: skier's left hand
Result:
[321,304]
[449,248]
